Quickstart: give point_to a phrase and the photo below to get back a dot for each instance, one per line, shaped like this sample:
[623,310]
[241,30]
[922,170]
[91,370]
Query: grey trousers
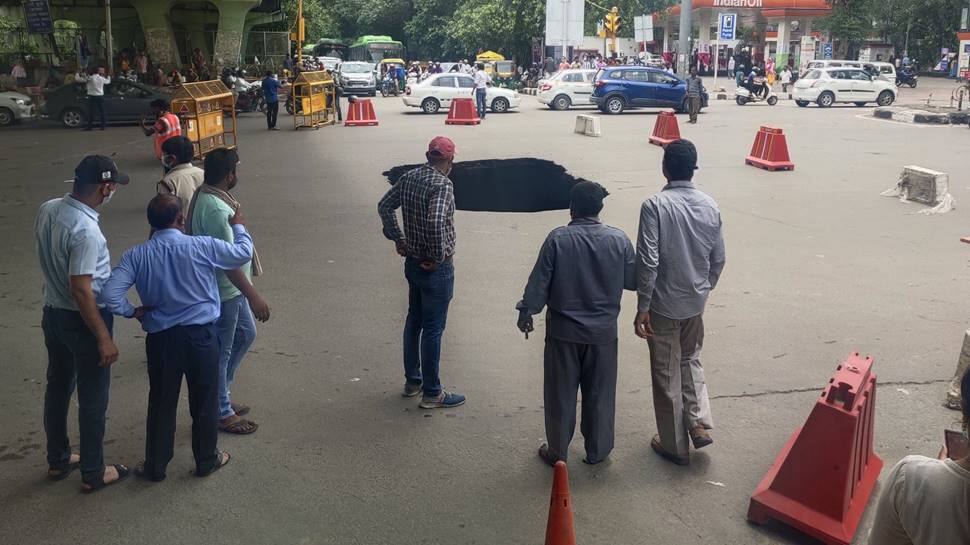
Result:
[963,364]
[591,368]
[680,399]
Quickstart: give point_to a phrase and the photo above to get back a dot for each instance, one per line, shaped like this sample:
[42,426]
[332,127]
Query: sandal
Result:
[239,409]
[89,487]
[224,458]
[239,427]
[141,473]
[61,473]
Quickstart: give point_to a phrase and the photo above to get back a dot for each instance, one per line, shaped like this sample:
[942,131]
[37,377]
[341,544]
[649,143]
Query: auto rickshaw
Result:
[382,66]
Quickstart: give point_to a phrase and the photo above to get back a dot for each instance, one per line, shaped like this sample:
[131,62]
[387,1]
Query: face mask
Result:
[108,198]
[168,162]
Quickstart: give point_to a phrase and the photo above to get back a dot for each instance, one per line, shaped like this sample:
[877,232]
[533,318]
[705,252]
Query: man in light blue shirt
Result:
[175,276]
[680,256]
[77,332]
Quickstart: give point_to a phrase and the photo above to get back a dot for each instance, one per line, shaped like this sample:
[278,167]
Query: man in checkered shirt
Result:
[426,198]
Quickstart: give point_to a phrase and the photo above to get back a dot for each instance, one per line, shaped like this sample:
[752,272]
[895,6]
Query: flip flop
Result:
[218,466]
[141,473]
[123,473]
[239,427]
[239,409]
[59,474]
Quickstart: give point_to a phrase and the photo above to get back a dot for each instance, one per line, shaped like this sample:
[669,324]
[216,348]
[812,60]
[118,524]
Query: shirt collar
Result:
[168,233]
[74,203]
[679,183]
[181,166]
[588,220]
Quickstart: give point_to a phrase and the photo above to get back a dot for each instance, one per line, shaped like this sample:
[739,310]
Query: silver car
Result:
[356,78]
[566,88]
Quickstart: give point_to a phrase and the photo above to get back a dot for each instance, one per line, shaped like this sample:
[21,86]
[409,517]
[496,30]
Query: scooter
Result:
[906,77]
[743,96]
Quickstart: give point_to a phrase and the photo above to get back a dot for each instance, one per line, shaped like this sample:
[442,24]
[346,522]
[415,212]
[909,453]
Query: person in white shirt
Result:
[181,178]
[785,79]
[482,80]
[926,501]
[95,90]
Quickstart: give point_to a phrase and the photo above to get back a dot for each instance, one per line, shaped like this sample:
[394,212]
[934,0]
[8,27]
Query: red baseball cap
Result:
[442,146]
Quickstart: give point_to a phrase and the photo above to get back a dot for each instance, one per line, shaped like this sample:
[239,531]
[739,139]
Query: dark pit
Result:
[506,185]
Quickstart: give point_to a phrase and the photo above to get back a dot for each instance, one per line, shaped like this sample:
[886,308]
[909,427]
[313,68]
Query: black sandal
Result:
[89,487]
[219,465]
[61,473]
[141,473]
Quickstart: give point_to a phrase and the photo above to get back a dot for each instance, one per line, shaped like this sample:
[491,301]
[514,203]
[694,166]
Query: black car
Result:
[124,102]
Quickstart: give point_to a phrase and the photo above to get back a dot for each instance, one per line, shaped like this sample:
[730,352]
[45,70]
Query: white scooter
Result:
[743,96]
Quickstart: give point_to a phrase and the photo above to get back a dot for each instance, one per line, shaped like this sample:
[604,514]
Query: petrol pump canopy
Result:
[766,8]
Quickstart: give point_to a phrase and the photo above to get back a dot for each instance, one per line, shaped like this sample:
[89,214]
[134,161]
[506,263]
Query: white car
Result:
[565,88]
[826,86]
[15,107]
[437,92]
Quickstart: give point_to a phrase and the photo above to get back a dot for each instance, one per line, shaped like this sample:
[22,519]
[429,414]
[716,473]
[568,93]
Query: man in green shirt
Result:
[208,215]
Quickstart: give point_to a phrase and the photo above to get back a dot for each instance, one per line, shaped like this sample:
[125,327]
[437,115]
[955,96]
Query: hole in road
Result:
[506,185]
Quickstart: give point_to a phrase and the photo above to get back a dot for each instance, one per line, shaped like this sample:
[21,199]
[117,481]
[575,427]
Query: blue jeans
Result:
[237,331]
[428,297]
[480,102]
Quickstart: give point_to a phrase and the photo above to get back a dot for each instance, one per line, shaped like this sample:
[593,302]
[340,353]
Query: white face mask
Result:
[108,198]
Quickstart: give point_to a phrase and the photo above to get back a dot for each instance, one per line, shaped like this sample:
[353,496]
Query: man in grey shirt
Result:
[680,255]
[580,276]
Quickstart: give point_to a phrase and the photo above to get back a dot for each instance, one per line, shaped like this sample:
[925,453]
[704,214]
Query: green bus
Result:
[329,47]
[374,49]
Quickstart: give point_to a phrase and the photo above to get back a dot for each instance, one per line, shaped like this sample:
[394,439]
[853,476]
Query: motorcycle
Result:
[251,101]
[906,77]
[743,95]
[389,87]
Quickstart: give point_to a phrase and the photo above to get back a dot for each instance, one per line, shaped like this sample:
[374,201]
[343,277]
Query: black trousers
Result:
[73,360]
[272,110]
[193,351]
[96,104]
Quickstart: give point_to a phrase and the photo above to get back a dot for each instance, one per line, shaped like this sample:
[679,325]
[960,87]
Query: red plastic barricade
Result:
[559,528]
[770,150]
[665,129]
[361,113]
[462,112]
[821,481]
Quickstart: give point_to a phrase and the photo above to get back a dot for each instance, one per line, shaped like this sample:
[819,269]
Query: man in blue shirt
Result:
[271,87]
[175,276]
[75,264]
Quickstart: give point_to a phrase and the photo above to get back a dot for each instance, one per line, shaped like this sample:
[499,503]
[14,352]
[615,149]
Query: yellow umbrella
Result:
[489,56]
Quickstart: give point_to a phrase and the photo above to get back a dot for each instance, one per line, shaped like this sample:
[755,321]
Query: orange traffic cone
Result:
[559,529]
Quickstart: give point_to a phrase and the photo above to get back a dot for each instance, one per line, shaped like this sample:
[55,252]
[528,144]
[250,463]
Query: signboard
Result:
[564,22]
[643,28]
[806,54]
[727,26]
[37,14]
[827,50]
[738,3]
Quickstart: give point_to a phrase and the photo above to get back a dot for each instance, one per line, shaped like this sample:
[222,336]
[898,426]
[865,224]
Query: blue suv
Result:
[616,88]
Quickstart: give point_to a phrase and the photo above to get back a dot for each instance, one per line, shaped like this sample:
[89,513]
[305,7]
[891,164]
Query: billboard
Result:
[564,22]
[643,28]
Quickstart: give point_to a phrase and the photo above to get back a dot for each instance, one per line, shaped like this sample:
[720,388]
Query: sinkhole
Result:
[505,185]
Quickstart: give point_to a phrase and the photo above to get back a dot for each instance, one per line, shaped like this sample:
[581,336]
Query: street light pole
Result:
[107,30]
[683,43]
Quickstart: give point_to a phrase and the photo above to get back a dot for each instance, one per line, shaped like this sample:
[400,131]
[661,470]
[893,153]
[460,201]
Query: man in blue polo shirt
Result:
[271,87]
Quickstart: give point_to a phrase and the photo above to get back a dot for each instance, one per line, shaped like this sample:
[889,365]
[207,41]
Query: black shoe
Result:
[546,456]
[141,473]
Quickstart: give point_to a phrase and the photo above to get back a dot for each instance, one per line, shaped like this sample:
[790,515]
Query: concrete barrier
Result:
[588,125]
[922,185]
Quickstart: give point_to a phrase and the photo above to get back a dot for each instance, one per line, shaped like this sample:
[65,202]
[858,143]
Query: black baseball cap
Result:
[98,169]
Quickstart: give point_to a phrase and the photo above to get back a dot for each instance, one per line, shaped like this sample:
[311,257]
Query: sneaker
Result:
[444,400]
[700,437]
[411,390]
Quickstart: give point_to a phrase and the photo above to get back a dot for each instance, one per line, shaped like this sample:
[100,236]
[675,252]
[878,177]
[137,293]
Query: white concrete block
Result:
[924,186]
[588,125]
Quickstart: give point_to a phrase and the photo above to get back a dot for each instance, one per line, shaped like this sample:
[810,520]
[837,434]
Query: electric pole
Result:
[683,42]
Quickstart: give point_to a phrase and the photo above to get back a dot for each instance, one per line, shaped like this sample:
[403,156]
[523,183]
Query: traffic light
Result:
[612,21]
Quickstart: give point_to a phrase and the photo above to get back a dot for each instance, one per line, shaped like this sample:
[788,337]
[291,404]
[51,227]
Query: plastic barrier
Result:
[770,150]
[665,129]
[462,112]
[559,528]
[361,113]
[822,479]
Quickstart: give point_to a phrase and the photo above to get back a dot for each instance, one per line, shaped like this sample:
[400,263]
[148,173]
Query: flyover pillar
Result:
[229,38]
[159,38]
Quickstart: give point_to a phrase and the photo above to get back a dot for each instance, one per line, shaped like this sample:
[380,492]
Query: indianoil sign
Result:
[738,3]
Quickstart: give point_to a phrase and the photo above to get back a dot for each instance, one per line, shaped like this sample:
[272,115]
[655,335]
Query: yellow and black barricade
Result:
[314,100]
[207,110]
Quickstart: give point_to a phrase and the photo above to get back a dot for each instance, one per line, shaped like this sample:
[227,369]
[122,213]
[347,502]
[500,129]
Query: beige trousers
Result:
[680,399]
[963,363]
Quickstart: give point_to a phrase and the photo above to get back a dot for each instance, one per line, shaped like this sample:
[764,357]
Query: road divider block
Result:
[665,129]
[588,125]
[360,113]
[770,150]
[462,112]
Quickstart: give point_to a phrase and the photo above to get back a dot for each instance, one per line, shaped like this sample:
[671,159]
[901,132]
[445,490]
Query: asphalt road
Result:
[819,265]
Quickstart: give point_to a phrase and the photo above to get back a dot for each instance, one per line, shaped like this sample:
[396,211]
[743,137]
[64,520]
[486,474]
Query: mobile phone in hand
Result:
[956,444]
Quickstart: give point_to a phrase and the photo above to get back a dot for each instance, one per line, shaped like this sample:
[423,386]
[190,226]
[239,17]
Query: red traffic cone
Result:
[360,113]
[559,529]
[665,129]
[462,112]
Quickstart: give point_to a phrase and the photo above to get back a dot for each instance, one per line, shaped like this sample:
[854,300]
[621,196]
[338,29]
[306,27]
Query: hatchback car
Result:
[15,107]
[124,102]
[566,88]
[437,92]
[356,78]
[827,86]
[617,88]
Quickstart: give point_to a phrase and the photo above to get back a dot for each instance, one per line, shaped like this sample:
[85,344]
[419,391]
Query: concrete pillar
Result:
[782,48]
[159,38]
[683,41]
[806,25]
[668,32]
[704,18]
[229,38]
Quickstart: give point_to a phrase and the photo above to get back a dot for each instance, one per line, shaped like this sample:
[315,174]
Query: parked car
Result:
[884,70]
[617,88]
[15,107]
[566,88]
[827,86]
[356,78]
[124,102]
[437,92]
